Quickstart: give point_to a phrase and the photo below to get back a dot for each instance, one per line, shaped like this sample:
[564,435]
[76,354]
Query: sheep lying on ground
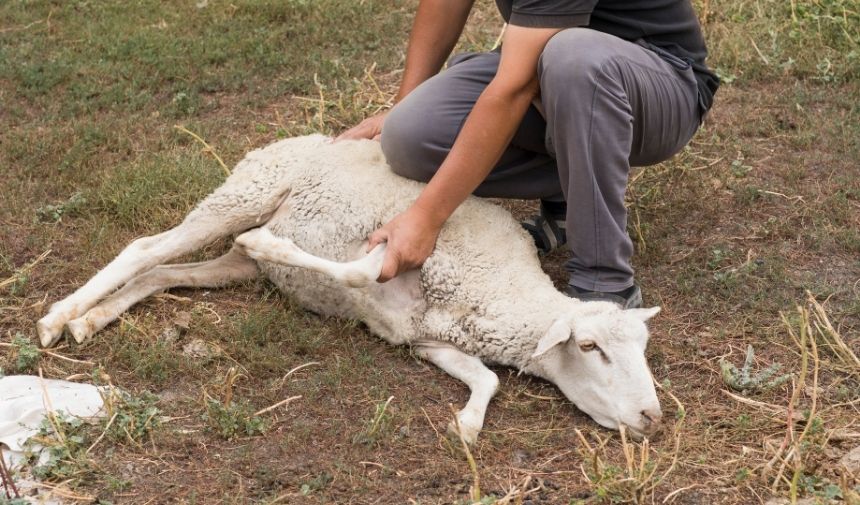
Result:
[480,298]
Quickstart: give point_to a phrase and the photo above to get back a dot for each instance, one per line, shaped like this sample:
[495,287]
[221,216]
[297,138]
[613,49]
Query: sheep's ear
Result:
[644,314]
[558,333]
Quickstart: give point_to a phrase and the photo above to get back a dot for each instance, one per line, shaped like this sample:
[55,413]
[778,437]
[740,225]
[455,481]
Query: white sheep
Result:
[480,298]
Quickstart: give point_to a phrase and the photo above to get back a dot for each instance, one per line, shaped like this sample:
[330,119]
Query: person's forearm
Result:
[437,27]
[485,135]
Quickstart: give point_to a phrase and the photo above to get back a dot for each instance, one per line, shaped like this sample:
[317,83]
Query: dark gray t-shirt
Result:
[668,25]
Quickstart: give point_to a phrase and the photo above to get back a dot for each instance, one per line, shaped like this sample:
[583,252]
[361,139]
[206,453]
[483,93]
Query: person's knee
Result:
[573,57]
[404,144]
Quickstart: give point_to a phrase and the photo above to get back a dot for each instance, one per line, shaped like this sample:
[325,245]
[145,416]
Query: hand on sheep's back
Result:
[370,128]
[410,237]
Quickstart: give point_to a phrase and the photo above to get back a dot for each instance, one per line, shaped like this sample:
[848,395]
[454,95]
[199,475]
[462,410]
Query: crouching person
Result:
[579,92]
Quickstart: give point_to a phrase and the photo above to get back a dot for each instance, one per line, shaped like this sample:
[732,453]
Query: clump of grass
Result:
[635,480]
[228,418]
[156,191]
[130,418]
[378,426]
[17,283]
[793,468]
[818,40]
[55,213]
[233,419]
[746,381]
[840,355]
[154,362]
[318,483]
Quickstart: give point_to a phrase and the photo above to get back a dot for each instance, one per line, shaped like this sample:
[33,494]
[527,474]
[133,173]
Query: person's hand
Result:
[370,128]
[411,237]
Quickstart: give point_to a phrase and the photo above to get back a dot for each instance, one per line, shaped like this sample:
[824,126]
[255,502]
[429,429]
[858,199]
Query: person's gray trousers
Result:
[609,104]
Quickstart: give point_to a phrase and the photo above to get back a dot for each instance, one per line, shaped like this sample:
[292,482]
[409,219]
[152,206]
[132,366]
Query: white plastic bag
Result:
[23,406]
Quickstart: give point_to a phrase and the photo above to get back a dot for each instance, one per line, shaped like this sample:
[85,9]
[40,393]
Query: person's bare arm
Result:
[435,31]
[486,133]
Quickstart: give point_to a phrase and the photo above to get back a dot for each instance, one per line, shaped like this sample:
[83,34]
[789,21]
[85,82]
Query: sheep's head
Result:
[597,359]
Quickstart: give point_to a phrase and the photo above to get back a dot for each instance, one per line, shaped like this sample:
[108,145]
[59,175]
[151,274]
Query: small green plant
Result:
[820,487]
[233,419]
[55,213]
[68,440]
[748,194]
[745,381]
[130,418]
[14,501]
[718,256]
[26,354]
[64,439]
[743,422]
[740,170]
[18,287]
[319,482]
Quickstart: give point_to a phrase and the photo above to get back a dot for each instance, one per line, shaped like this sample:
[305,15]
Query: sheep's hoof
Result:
[467,433]
[81,329]
[49,328]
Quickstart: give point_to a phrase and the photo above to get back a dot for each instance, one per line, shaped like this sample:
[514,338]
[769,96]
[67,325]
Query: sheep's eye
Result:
[587,346]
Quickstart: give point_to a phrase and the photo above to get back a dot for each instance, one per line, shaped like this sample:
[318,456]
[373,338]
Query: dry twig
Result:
[206,147]
[475,490]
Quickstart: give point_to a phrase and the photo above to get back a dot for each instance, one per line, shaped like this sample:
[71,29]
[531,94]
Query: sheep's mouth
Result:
[637,434]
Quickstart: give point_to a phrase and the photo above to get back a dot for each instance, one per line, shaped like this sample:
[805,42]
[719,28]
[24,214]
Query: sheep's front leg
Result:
[482,382]
[262,245]
[231,267]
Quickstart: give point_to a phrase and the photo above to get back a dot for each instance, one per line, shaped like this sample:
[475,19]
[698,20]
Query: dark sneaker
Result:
[630,298]
[547,228]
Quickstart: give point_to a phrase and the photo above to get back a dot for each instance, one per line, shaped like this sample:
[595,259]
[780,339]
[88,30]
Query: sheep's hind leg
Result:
[262,245]
[231,267]
[482,382]
[211,220]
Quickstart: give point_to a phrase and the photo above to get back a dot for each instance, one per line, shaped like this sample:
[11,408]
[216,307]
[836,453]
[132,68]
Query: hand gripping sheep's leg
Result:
[481,381]
[262,245]
[232,267]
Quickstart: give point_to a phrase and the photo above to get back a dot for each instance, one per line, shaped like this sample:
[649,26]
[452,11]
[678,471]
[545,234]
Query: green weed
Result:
[14,501]
[64,439]
[68,441]
[55,213]
[25,353]
[233,419]
[318,483]
[130,418]
[746,381]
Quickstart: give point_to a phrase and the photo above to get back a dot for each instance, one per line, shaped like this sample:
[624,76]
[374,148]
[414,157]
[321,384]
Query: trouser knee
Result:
[407,146]
[574,59]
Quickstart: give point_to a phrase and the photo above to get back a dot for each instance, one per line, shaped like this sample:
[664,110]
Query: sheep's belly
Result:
[389,310]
